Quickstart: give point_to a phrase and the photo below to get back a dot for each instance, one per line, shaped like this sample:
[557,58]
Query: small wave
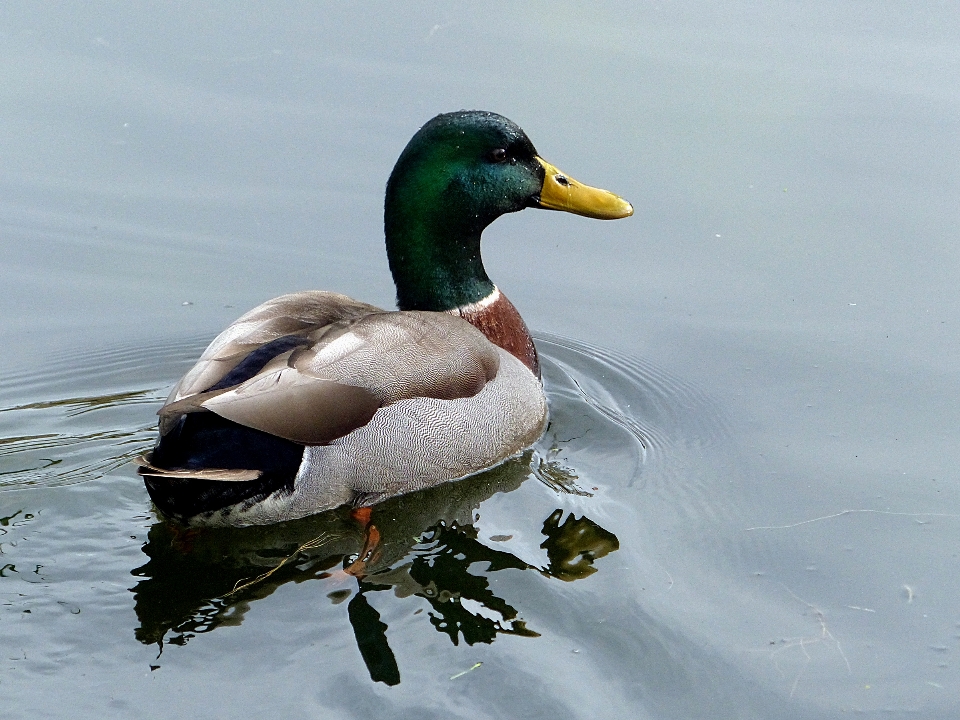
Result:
[659,443]
[80,417]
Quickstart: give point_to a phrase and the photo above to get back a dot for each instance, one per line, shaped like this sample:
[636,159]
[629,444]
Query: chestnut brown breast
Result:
[499,320]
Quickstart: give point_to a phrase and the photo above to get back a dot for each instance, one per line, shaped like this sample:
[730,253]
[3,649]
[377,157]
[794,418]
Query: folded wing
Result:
[345,361]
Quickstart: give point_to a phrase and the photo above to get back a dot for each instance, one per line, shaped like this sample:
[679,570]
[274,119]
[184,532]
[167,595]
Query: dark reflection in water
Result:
[574,544]
[423,544]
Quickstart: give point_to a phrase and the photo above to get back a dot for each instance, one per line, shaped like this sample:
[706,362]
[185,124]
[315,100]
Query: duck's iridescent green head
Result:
[458,174]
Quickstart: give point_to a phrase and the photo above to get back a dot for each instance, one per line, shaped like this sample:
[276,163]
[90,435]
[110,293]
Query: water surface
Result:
[747,504]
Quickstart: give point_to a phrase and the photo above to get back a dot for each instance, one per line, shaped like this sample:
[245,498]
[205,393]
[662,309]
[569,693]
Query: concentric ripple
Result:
[634,427]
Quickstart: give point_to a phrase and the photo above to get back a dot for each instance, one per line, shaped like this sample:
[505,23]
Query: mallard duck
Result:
[314,400]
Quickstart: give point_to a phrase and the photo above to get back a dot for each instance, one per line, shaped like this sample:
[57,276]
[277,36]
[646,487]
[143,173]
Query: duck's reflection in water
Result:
[422,544]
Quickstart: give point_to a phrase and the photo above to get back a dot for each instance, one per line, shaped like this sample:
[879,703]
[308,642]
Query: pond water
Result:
[747,503]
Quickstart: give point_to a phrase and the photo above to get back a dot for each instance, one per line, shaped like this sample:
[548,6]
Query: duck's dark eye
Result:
[499,155]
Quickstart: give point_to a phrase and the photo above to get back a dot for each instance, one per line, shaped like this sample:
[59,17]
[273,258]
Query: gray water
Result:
[747,504]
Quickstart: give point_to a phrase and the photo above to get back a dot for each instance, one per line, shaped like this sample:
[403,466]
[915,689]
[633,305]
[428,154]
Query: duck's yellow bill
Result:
[562,192]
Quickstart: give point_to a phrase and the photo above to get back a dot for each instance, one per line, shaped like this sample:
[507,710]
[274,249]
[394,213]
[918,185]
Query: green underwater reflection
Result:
[423,544]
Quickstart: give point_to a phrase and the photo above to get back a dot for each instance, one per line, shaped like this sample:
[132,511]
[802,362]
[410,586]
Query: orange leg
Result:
[369,554]
[362,515]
